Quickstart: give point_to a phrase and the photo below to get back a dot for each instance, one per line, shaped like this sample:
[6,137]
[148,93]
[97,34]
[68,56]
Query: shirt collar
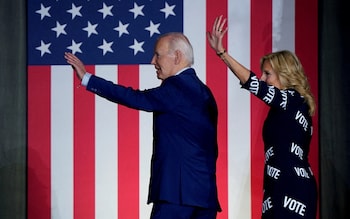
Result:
[182,70]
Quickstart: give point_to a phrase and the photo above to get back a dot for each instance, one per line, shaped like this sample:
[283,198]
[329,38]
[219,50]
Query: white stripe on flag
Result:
[195,30]
[283,25]
[106,150]
[61,142]
[148,79]
[239,176]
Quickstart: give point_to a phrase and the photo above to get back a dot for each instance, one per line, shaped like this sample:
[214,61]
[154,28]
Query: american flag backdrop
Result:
[89,158]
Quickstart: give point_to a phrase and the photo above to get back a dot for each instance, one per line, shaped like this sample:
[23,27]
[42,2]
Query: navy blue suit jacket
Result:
[183,166]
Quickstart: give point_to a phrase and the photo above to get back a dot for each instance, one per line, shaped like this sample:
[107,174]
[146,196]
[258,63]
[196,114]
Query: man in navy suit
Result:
[183,167]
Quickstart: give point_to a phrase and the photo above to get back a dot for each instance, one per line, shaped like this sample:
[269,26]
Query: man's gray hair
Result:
[178,41]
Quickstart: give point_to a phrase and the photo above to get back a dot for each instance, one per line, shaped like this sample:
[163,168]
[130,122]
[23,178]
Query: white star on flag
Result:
[106,10]
[44,48]
[168,10]
[75,47]
[152,28]
[106,47]
[137,10]
[44,11]
[75,11]
[122,28]
[137,47]
[59,29]
[91,29]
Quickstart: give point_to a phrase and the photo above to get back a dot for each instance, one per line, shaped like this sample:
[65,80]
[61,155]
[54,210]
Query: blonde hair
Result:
[291,74]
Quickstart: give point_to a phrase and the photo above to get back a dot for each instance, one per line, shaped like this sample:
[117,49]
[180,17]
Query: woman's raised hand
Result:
[217,33]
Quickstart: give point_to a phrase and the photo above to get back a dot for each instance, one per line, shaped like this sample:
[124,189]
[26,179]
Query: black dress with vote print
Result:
[289,185]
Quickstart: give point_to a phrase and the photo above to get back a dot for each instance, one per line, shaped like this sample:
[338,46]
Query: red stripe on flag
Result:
[128,148]
[84,151]
[261,43]
[39,137]
[217,81]
[306,48]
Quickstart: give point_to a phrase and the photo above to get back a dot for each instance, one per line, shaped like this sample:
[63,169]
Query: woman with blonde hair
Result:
[290,189]
[291,74]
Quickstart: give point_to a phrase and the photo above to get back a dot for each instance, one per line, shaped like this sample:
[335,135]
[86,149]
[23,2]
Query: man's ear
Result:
[178,57]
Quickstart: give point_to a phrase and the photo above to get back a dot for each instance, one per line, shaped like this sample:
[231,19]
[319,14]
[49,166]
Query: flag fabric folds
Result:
[89,158]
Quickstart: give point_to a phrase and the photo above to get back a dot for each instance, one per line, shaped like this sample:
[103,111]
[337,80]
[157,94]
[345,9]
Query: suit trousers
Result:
[165,210]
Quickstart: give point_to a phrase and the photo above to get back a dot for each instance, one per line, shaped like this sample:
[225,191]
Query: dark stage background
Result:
[334,103]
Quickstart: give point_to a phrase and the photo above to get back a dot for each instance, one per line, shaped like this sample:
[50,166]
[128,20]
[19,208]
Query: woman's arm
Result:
[215,41]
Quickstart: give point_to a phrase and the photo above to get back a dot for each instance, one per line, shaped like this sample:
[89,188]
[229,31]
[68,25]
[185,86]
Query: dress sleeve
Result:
[271,95]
